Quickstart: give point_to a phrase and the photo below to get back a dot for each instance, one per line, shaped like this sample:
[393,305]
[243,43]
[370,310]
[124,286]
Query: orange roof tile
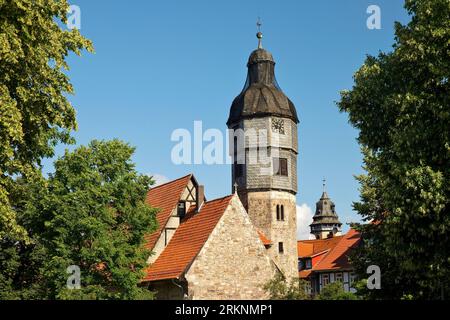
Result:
[264,239]
[165,197]
[309,248]
[337,258]
[187,241]
[304,273]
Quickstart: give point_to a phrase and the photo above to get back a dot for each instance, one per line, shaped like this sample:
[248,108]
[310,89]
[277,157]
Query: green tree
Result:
[279,288]
[34,111]
[400,104]
[90,213]
[335,291]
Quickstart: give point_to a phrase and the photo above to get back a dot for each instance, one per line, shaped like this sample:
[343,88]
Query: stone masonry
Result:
[233,263]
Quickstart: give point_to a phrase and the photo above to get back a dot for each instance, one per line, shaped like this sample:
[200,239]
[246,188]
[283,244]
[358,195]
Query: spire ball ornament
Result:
[259,35]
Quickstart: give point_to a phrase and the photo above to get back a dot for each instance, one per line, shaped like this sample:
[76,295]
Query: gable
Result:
[164,197]
[233,263]
[187,241]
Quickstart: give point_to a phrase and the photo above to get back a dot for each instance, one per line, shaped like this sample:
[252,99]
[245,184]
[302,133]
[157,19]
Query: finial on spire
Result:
[324,183]
[235,187]
[259,34]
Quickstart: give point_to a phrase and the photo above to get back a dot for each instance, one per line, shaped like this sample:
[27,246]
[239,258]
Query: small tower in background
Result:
[326,222]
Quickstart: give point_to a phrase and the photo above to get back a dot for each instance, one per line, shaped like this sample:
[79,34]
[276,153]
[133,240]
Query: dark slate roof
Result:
[325,211]
[261,95]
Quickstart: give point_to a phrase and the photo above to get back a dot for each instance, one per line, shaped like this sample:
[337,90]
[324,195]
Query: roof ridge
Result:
[217,199]
[312,240]
[171,181]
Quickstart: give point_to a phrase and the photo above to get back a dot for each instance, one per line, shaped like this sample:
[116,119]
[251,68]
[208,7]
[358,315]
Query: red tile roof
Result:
[187,241]
[304,273]
[337,258]
[264,239]
[332,254]
[309,248]
[165,197]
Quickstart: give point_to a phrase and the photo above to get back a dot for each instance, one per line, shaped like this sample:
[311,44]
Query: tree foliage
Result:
[400,104]
[34,111]
[335,291]
[90,213]
[280,288]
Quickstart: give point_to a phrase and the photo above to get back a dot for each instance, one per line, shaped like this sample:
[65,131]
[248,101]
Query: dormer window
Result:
[308,264]
[181,209]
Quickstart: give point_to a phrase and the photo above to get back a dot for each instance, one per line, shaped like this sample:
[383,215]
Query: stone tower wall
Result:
[261,191]
[262,211]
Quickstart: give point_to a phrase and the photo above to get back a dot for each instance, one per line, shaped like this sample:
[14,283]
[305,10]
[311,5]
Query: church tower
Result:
[265,173]
[326,222]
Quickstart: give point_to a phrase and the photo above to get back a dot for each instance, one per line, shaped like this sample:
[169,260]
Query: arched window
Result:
[278,212]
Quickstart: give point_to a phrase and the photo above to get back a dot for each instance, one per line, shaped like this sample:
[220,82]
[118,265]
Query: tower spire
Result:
[326,222]
[259,34]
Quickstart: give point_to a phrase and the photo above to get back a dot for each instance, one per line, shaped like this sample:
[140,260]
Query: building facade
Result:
[204,249]
[325,259]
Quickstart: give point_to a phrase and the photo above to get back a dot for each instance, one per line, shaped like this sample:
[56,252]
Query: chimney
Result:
[200,196]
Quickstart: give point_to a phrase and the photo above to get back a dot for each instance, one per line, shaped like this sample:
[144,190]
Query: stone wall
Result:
[233,263]
[262,208]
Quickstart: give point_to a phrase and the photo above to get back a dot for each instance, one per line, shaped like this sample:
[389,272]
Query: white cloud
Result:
[304,219]
[158,178]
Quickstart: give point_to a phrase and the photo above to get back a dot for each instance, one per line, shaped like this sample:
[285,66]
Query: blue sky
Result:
[161,65]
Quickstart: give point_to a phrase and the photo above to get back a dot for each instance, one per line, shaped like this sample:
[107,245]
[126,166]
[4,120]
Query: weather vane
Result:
[259,35]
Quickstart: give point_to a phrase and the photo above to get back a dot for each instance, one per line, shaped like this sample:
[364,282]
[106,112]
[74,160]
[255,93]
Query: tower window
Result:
[238,157]
[280,166]
[280,212]
[280,247]
[238,170]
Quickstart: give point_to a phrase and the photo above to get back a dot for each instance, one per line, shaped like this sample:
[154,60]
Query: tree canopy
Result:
[35,113]
[280,288]
[335,291]
[91,213]
[400,104]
